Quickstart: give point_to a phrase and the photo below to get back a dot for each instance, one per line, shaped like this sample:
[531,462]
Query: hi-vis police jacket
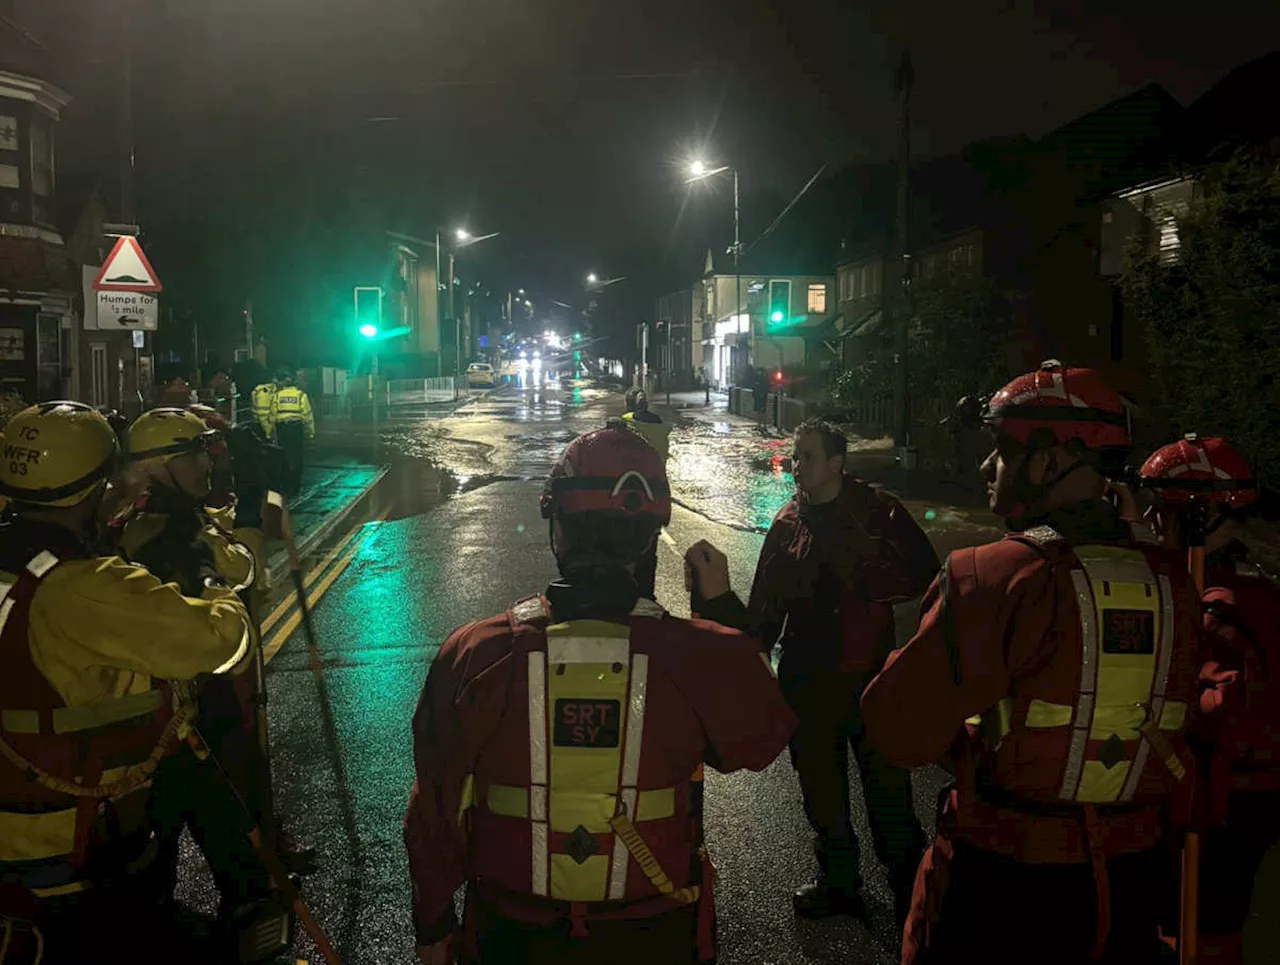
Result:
[533,736]
[87,648]
[1075,652]
[291,404]
[264,397]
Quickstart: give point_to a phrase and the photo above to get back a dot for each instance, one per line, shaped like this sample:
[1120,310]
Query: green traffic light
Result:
[577,336]
[369,331]
[776,317]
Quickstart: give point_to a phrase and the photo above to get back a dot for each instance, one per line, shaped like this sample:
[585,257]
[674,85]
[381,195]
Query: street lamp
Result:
[592,279]
[698,171]
[462,239]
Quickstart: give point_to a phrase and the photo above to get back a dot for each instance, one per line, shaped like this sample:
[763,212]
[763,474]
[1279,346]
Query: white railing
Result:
[420,391]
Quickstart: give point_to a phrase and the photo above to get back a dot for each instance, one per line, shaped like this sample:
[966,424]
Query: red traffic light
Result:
[777,376]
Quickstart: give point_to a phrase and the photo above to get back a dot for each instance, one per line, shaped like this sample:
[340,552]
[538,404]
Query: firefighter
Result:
[174,536]
[97,657]
[1053,671]
[559,746]
[1206,484]
[291,414]
[264,397]
[835,560]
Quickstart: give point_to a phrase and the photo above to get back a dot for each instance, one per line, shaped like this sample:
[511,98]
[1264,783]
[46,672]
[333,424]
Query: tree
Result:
[1212,318]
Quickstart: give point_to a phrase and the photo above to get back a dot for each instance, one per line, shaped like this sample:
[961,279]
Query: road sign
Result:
[127,269]
[121,311]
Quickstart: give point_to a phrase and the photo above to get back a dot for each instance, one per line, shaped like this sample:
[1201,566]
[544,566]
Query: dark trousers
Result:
[1231,857]
[647,573]
[669,939]
[829,711]
[291,436]
[186,791]
[998,911]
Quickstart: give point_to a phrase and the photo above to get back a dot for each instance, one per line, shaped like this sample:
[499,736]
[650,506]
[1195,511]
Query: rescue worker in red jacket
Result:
[835,560]
[559,746]
[1207,483]
[1053,671]
[92,700]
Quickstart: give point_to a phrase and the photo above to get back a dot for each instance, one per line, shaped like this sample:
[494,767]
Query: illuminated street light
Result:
[697,169]
[369,331]
[462,234]
[592,279]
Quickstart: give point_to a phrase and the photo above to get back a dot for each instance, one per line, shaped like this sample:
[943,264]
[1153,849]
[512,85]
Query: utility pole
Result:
[439,327]
[737,273]
[901,314]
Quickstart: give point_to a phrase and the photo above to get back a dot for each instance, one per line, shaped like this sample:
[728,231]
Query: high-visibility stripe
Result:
[587,649]
[633,737]
[537,673]
[1164,644]
[41,564]
[5,609]
[69,720]
[1083,721]
[4,589]
[1042,713]
[239,655]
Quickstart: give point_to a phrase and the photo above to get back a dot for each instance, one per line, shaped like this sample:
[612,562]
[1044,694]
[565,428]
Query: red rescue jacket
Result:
[1242,685]
[532,735]
[837,601]
[1055,658]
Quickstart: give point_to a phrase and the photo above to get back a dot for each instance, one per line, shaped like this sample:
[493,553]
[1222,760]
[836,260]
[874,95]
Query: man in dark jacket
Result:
[836,559]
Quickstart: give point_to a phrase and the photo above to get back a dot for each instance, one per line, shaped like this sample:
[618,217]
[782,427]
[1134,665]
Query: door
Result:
[98,375]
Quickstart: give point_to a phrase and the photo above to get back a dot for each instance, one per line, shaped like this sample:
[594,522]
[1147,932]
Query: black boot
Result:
[821,899]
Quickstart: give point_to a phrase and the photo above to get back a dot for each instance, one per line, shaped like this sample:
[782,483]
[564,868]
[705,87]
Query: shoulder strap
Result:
[1039,537]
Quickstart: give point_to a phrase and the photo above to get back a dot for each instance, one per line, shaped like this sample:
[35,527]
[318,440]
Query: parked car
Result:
[480,374]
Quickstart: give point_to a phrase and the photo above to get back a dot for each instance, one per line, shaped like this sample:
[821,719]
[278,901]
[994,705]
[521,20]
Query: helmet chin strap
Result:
[1023,513]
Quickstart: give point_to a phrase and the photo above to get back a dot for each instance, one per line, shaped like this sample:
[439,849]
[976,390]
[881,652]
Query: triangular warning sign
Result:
[127,269]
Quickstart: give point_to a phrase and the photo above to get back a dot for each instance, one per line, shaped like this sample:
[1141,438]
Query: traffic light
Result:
[368,312]
[577,336]
[779,302]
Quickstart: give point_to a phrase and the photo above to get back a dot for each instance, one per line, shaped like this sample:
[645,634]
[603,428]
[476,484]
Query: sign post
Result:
[126,284]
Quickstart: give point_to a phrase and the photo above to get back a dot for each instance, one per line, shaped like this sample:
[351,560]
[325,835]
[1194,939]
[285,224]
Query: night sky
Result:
[561,124]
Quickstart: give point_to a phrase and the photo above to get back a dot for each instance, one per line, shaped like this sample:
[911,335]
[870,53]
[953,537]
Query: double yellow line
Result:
[344,552]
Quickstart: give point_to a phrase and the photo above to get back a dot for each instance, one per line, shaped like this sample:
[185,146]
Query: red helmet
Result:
[1060,404]
[210,416]
[1209,468]
[608,471]
[213,419]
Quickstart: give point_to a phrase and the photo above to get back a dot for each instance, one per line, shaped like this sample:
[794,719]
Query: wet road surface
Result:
[454,534]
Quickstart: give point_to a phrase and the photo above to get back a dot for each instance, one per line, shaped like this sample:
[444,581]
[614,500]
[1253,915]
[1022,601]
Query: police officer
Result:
[559,745]
[291,414]
[173,535]
[92,654]
[1053,671]
[264,396]
[1205,485]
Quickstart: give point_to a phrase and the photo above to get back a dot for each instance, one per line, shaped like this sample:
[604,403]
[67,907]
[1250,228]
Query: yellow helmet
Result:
[167,432]
[56,453]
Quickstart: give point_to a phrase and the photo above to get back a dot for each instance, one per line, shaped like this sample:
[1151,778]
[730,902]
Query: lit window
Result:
[8,133]
[1168,238]
[817,299]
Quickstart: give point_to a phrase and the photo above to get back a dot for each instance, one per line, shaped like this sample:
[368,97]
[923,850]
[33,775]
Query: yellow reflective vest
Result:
[263,402]
[105,635]
[292,405]
[657,434]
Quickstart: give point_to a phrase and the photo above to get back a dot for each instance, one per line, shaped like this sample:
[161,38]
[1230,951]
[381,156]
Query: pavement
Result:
[452,533]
